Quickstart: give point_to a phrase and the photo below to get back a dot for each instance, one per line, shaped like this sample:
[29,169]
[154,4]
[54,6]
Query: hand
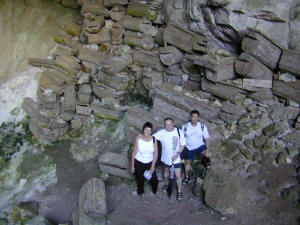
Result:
[208,153]
[152,169]
[175,157]
[132,169]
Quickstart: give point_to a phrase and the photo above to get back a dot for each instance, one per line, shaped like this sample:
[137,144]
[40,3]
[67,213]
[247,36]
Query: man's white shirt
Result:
[194,135]
[171,143]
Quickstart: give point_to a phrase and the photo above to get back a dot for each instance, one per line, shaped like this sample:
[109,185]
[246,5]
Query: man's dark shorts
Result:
[177,165]
[190,154]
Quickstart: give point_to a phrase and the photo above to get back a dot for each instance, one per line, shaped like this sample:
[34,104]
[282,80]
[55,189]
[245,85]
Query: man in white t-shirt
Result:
[172,142]
[197,140]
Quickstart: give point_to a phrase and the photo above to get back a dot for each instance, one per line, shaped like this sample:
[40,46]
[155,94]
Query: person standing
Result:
[173,142]
[197,141]
[144,157]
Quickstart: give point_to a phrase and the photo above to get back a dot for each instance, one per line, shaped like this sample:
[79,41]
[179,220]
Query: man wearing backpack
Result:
[197,140]
[172,142]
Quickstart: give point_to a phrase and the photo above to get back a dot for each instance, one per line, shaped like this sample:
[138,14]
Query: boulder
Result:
[103,36]
[170,55]
[225,92]
[119,81]
[116,64]
[137,117]
[117,15]
[152,78]
[289,61]
[117,33]
[173,99]
[255,83]
[84,94]
[93,25]
[49,63]
[288,90]
[142,25]
[263,96]
[175,12]
[95,8]
[142,10]
[105,111]
[183,39]
[44,135]
[69,64]
[92,203]
[115,164]
[247,66]
[148,59]
[135,39]
[103,91]
[92,56]
[111,3]
[69,102]
[84,110]
[262,48]
[217,68]
[51,82]
[293,137]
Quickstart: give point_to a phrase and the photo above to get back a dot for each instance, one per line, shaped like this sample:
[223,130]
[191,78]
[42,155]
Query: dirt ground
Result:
[127,208]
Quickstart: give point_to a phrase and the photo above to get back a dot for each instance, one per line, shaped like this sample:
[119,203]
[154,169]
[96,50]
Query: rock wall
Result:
[27,29]
[231,60]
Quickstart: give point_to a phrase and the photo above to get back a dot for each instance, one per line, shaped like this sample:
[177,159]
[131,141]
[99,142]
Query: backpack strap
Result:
[178,132]
[202,125]
[153,138]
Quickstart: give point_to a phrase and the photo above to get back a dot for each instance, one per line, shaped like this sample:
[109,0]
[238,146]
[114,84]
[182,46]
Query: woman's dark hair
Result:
[195,112]
[147,124]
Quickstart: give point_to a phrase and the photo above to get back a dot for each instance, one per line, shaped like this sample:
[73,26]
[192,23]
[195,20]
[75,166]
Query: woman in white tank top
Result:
[144,157]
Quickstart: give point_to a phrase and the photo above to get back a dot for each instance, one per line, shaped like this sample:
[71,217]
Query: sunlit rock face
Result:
[27,29]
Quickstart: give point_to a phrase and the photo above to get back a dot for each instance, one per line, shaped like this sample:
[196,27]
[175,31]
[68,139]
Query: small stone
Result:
[257,156]
[246,153]
[252,108]
[249,143]
[253,168]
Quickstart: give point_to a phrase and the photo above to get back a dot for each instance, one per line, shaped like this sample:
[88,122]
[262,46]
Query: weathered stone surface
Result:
[288,90]
[92,56]
[118,81]
[124,173]
[33,110]
[83,110]
[142,10]
[106,111]
[114,160]
[148,59]
[69,64]
[105,92]
[174,12]
[92,203]
[54,83]
[151,78]
[279,112]
[103,36]
[181,101]
[183,39]
[117,15]
[137,117]
[263,96]
[111,3]
[95,8]
[142,25]
[233,108]
[50,63]
[262,49]
[223,91]
[38,220]
[293,137]
[93,25]
[69,101]
[117,32]
[247,66]
[135,39]
[276,129]
[248,83]
[73,29]
[170,55]
[289,61]
[116,64]
[44,135]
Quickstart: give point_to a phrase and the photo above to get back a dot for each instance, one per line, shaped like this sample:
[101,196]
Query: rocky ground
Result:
[125,207]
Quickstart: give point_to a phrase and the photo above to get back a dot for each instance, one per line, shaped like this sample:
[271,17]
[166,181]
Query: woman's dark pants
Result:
[140,168]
